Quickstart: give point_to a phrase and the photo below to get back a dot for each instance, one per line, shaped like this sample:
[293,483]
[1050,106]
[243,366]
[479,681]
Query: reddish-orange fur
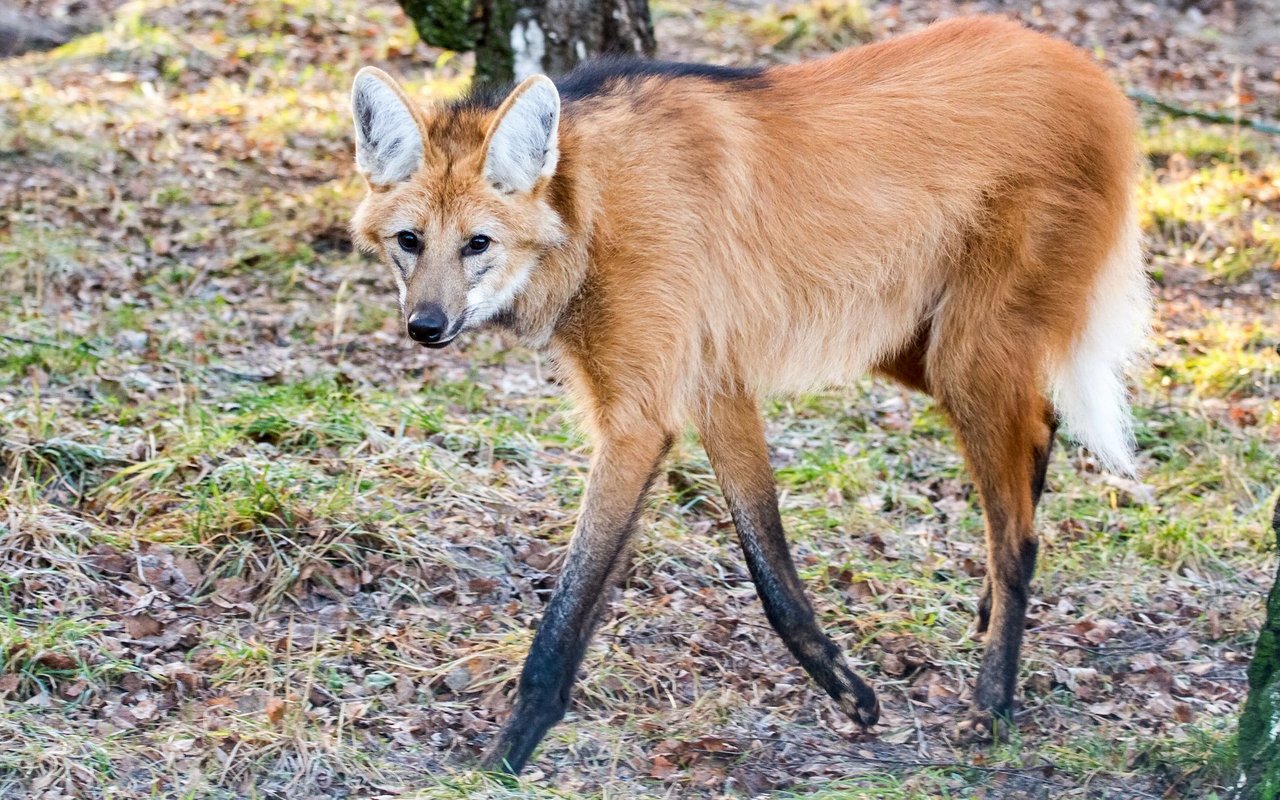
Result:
[939,207]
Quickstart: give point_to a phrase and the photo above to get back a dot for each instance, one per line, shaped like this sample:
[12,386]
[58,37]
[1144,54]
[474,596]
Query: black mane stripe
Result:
[603,75]
[595,77]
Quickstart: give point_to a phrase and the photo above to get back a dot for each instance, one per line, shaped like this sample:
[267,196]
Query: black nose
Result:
[428,323]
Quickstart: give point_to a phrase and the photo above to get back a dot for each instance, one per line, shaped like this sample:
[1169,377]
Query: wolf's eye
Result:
[409,241]
[476,244]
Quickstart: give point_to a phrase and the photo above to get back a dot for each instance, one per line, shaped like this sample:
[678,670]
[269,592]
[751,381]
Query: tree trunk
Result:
[1259,741]
[513,39]
[20,32]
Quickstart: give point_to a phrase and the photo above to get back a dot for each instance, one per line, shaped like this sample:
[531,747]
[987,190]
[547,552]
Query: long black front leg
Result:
[621,474]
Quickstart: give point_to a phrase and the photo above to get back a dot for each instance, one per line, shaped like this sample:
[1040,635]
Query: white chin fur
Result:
[491,297]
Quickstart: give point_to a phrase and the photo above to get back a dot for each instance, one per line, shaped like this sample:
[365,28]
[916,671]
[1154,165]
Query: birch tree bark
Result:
[513,39]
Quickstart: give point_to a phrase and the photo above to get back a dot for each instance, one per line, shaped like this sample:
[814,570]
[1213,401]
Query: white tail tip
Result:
[1089,386]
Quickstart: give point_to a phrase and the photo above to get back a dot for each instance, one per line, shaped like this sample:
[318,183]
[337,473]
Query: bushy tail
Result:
[1089,385]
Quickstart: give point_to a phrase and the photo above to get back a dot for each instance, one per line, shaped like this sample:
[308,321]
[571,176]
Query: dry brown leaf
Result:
[1102,709]
[140,626]
[274,710]
[661,767]
[55,661]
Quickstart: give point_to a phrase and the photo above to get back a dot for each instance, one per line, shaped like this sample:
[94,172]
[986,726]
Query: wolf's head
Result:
[458,199]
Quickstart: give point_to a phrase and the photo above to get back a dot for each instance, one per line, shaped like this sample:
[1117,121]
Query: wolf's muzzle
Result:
[428,324]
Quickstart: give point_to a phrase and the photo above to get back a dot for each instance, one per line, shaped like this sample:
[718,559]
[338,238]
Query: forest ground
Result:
[253,543]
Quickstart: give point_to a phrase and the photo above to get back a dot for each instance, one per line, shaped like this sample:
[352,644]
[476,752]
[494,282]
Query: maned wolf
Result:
[952,208]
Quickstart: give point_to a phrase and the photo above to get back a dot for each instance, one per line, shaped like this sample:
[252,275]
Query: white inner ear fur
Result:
[524,146]
[388,141]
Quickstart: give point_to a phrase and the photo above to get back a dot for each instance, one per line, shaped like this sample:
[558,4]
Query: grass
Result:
[254,544]
[817,24]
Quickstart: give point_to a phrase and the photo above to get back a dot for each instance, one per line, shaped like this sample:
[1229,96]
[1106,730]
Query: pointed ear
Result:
[522,145]
[388,138]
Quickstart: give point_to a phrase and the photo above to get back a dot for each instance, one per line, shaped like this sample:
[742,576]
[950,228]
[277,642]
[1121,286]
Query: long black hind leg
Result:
[733,435]
[1042,453]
